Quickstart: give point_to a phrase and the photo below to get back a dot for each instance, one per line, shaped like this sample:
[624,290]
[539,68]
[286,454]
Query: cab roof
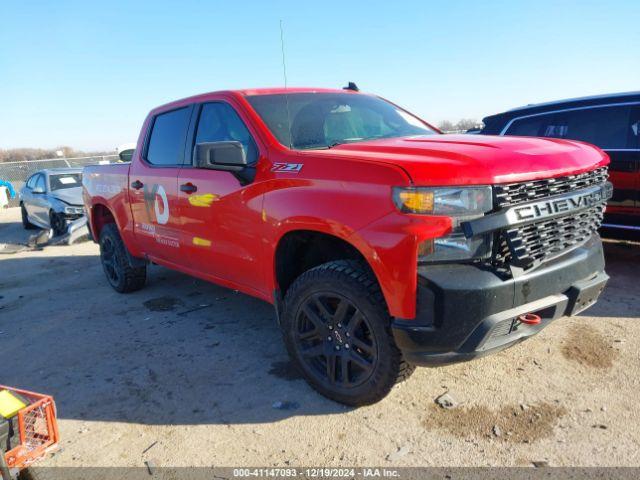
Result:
[282,91]
[616,97]
[248,92]
[59,170]
[494,123]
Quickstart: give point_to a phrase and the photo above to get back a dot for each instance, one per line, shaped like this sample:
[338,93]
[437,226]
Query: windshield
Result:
[322,120]
[65,180]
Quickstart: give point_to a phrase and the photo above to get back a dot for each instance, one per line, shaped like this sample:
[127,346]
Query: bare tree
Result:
[25,154]
[446,126]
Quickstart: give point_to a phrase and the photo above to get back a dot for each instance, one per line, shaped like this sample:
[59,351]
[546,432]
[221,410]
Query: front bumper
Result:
[465,311]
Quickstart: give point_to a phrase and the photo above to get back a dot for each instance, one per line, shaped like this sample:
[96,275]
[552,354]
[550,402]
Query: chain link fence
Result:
[17,172]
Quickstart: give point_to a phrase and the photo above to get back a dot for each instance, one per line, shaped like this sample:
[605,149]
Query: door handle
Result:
[137,185]
[188,188]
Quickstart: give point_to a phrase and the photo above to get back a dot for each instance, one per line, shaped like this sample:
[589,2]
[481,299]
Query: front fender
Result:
[390,245]
[361,214]
[56,205]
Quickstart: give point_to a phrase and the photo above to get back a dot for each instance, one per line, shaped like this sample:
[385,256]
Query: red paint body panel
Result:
[344,191]
[477,160]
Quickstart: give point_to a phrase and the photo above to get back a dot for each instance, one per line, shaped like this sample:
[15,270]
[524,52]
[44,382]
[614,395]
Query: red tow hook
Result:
[530,319]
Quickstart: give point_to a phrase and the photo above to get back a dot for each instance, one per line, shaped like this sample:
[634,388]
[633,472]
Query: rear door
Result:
[221,210]
[153,190]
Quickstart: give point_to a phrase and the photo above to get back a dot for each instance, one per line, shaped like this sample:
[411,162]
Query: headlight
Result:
[73,210]
[459,203]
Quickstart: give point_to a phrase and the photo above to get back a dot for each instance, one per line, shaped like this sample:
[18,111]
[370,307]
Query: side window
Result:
[219,122]
[168,134]
[531,127]
[31,182]
[634,127]
[606,127]
[40,183]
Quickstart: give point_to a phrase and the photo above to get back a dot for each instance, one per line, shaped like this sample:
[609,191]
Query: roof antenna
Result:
[286,94]
[351,86]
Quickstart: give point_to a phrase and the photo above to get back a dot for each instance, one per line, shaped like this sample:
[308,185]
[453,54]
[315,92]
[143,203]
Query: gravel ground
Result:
[186,373]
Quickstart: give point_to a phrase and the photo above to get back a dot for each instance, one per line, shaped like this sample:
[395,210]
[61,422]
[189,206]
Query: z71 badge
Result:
[287,167]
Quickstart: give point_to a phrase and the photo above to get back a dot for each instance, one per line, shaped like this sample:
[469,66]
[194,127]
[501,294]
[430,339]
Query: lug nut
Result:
[329,338]
[339,325]
[348,334]
[330,327]
[346,345]
[337,347]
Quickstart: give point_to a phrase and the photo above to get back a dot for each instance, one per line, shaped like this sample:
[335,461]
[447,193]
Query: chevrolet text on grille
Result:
[551,207]
[565,204]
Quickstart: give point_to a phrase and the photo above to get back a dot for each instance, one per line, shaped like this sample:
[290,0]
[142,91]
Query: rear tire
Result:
[25,219]
[337,330]
[116,262]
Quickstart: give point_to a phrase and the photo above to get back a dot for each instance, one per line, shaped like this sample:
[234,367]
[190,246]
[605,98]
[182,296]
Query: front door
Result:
[39,205]
[153,187]
[221,210]
[27,195]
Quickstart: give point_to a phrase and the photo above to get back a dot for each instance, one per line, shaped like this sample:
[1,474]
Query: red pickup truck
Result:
[382,243]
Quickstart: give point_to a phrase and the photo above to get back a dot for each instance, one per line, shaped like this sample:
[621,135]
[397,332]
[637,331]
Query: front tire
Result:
[25,219]
[58,223]
[337,330]
[122,276]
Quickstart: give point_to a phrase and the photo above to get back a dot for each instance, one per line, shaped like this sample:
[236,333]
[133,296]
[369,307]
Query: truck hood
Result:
[477,159]
[72,196]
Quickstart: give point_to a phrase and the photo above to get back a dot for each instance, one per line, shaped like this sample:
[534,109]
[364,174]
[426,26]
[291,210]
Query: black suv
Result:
[612,122]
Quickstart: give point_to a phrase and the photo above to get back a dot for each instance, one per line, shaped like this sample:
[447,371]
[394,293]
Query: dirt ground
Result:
[186,373]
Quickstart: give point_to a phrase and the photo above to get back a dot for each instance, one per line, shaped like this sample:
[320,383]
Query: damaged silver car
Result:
[52,199]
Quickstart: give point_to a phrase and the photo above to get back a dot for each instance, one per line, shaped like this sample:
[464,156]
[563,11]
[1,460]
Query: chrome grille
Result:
[509,194]
[528,245]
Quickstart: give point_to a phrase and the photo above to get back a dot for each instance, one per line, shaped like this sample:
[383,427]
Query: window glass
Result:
[219,122]
[65,180]
[40,183]
[606,127]
[530,127]
[634,127]
[31,182]
[166,144]
[321,120]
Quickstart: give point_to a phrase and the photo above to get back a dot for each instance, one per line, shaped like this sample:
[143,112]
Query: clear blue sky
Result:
[84,73]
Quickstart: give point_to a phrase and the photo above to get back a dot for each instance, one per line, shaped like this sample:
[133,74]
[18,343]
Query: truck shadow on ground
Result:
[180,351]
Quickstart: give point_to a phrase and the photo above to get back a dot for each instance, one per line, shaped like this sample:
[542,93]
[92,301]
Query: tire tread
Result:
[134,277]
[362,277]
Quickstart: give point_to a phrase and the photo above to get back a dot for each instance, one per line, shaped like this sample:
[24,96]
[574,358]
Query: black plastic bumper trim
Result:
[469,303]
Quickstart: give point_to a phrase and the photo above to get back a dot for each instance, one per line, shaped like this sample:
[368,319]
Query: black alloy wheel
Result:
[335,340]
[337,330]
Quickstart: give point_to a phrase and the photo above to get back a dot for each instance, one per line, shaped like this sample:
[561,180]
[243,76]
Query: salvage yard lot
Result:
[188,373]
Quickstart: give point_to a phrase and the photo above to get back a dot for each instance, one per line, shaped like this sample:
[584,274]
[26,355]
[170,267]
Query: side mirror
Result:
[126,155]
[228,156]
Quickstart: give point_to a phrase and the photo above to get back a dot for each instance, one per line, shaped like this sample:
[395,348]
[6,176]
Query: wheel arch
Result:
[300,250]
[101,215]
